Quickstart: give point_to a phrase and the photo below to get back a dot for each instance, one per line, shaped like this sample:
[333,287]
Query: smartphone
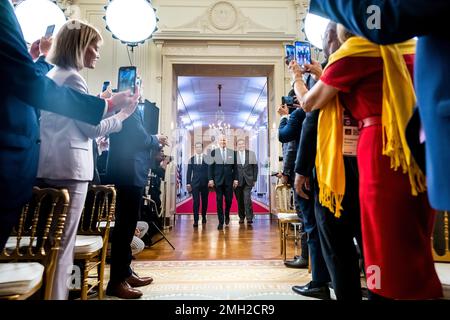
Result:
[287,100]
[105,86]
[290,53]
[127,79]
[49,31]
[303,52]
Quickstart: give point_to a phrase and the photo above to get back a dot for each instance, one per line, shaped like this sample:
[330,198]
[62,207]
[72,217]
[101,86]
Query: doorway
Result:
[209,106]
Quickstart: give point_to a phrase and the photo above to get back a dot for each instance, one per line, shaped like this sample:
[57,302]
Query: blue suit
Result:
[23,90]
[400,21]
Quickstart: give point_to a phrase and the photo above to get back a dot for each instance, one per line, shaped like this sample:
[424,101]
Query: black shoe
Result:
[308,290]
[227,220]
[241,221]
[220,227]
[204,221]
[299,263]
[195,225]
[249,221]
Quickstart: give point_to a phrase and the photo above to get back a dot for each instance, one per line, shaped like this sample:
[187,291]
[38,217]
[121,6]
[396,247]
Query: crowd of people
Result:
[368,201]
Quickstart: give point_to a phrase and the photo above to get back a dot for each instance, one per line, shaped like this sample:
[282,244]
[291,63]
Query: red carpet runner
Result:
[186,207]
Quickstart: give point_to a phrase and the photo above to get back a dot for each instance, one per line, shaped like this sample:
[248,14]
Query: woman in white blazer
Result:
[66,155]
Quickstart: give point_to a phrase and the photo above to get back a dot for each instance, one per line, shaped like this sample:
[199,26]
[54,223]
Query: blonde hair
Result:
[71,43]
[343,33]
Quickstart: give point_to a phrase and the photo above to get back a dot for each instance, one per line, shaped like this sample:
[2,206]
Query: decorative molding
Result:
[221,17]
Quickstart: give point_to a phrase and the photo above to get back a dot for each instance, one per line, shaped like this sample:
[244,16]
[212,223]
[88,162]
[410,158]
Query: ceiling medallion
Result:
[223,15]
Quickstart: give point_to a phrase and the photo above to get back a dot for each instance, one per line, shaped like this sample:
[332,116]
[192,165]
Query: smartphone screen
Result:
[290,53]
[49,31]
[106,84]
[303,52]
[127,79]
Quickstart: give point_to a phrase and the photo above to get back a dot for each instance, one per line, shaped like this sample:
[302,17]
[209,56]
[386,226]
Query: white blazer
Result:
[66,144]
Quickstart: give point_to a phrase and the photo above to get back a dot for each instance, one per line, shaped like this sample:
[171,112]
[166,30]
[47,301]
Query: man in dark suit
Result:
[197,182]
[222,175]
[128,168]
[23,90]
[399,21]
[247,175]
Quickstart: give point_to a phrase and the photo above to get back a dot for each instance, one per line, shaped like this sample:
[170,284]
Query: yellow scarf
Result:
[398,103]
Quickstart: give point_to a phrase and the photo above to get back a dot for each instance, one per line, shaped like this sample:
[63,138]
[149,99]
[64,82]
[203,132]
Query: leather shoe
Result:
[249,221]
[204,221]
[299,263]
[241,221]
[195,225]
[135,281]
[309,290]
[227,220]
[220,227]
[122,290]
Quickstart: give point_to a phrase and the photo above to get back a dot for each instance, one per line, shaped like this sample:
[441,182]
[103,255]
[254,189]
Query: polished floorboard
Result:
[236,242]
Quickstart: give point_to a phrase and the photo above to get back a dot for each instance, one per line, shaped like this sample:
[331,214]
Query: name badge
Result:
[351,135]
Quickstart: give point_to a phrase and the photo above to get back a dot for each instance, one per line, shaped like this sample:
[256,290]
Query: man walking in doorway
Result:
[197,182]
[247,173]
[222,176]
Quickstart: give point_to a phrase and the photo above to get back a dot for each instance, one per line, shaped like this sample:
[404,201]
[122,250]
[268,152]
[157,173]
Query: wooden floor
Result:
[235,242]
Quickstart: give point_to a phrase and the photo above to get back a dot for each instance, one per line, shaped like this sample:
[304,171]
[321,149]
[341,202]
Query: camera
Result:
[287,100]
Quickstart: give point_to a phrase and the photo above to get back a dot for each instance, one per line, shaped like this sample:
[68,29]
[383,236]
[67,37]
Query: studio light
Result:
[35,16]
[131,21]
[315,27]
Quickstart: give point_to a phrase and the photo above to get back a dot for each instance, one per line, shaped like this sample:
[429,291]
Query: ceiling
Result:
[244,100]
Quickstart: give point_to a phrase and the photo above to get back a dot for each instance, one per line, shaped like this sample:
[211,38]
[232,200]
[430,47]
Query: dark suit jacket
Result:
[291,129]
[248,171]
[222,171]
[129,158]
[402,20]
[197,175]
[23,89]
[307,149]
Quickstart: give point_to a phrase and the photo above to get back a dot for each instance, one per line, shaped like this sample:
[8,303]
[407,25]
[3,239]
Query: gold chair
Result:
[441,238]
[29,257]
[286,215]
[93,235]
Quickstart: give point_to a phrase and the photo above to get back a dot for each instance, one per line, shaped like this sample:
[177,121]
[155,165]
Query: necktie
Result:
[224,155]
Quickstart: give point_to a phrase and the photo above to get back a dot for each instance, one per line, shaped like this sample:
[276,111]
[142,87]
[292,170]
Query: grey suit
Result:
[247,175]
[66,161]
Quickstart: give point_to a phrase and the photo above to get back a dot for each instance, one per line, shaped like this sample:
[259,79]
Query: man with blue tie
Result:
[23,90]
[197,182]
[222,175]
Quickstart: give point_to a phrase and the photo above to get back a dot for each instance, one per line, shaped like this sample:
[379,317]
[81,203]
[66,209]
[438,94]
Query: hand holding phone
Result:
[290,53]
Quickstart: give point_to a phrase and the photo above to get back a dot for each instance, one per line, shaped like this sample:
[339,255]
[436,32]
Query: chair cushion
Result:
[12,242]
[88,244]
[288,216]
[102,224]
[19,278]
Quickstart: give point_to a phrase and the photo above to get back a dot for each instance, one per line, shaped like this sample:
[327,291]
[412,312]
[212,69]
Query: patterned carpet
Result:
[220,280]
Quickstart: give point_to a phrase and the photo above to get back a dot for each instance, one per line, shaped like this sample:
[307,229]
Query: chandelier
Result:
[219,123]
